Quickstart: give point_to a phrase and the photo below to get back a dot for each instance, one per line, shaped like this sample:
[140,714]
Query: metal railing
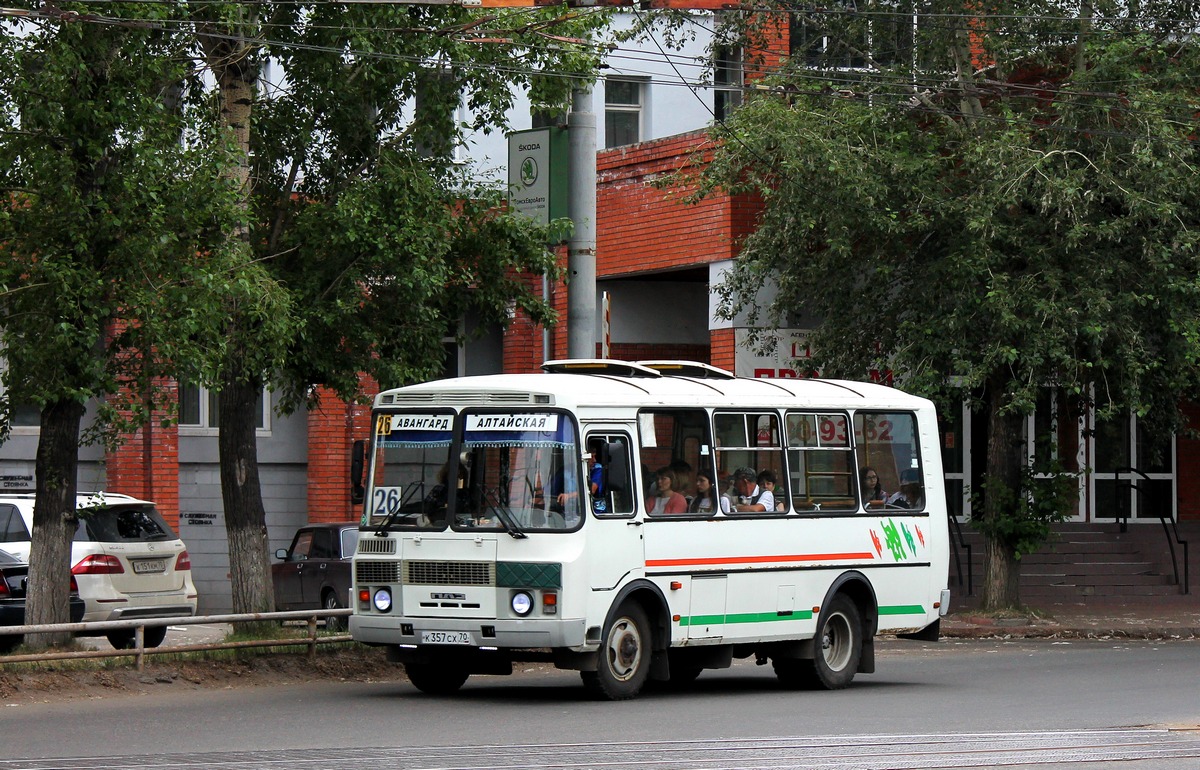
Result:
[957,541]
[140,650]
[1140,485]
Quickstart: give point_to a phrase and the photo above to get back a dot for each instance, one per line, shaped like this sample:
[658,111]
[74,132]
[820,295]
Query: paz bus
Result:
[511,518]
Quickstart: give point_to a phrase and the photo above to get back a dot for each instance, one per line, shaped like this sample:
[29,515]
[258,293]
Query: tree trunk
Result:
[245,517]
[54,520]
[1005,453]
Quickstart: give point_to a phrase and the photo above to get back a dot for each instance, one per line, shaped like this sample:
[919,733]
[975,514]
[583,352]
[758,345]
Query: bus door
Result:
[614,532]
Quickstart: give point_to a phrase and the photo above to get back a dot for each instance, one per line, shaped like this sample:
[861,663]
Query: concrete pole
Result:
[581,249]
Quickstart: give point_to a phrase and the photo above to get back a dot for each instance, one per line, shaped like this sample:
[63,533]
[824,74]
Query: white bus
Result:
[483,543]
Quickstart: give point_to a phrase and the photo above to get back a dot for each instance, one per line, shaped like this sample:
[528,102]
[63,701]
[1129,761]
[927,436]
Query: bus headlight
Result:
[382,599]
[522,603]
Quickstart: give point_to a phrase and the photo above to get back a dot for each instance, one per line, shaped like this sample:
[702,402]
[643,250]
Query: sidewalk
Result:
[1176,618]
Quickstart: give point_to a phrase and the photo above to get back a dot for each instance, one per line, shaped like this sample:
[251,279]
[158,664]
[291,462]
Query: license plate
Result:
[149,565]
[446,637]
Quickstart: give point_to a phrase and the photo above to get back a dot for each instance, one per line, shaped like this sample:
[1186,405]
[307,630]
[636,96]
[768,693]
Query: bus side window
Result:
[673,443]
[610,484]
[750,440]
[820,462]
[887,443]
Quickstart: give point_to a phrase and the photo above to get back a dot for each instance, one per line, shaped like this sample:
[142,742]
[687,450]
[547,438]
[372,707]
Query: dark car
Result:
[315,573]
[14,576]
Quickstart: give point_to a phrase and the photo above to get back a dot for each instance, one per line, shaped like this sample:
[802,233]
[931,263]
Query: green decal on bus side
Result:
[902,609]
[766,617]
[748,617]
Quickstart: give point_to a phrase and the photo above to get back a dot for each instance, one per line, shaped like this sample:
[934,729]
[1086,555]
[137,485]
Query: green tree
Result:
[112,266]
[1006,203]
[356,206]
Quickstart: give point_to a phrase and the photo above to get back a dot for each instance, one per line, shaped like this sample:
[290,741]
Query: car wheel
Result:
[330,602]
[435,680]
[624,660]
[126,638]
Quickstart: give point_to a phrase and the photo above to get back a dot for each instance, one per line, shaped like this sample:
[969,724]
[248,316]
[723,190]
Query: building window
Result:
[727,78]
[24,416]
[200,410]
[624,99]
[826,39]
[547,119]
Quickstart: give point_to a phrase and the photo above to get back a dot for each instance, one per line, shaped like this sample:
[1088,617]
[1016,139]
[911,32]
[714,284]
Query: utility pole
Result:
[581,207]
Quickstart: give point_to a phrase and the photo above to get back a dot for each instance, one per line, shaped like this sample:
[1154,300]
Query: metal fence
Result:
[139,651]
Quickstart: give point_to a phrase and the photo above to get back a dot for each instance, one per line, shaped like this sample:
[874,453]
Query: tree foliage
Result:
[1008,207]
[113,271]
[345,119]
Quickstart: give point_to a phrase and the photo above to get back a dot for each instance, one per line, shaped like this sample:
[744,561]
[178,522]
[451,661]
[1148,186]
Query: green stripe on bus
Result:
[768,617]
[748,617]
[902,609]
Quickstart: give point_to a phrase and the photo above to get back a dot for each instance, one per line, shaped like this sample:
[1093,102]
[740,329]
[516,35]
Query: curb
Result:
[1023,629]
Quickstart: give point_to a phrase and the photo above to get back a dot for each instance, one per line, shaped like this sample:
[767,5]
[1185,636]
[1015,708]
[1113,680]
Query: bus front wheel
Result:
[837,650]
[435,680]
[624,660]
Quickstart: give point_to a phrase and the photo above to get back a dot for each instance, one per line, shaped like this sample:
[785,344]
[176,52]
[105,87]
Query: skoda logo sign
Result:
[529,171]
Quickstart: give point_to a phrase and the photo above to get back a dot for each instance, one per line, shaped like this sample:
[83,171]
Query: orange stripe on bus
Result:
[866,555]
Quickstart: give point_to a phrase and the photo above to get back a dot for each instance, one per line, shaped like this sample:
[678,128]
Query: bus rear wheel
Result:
[435,680]
[837,650]
[624,660]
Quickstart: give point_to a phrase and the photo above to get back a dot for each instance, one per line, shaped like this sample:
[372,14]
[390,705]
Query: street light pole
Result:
[581,248]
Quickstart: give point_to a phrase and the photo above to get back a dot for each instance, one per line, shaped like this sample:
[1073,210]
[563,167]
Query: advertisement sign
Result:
[537,173]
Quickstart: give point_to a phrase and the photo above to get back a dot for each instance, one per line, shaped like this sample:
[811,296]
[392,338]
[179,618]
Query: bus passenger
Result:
[683,478]
[707,501]
[911,494]
[873,495]
[766,480]
[667,500]
[751,497]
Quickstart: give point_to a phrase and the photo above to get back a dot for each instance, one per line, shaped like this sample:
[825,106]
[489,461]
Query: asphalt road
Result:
[979,703]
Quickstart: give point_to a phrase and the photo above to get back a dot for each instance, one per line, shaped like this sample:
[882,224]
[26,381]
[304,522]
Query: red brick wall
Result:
[722,346]
[644,228]
[146,464]
[333,427]
[523,338]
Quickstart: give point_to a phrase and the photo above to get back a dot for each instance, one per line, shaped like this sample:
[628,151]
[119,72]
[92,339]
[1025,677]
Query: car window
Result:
[322,545]
[349,542]
[122,524]
[12,526]
[302,546]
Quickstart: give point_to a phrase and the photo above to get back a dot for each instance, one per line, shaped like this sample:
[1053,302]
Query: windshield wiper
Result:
[507,520]
[395,512]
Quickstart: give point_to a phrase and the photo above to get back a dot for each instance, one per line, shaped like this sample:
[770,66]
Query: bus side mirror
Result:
[616,467]
[358,452]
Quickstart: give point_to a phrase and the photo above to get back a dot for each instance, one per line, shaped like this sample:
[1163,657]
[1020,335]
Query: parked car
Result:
[126,560]
[14,579]
[315,570]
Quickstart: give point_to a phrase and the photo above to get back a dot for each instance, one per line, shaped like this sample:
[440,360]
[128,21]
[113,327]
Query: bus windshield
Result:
[410,471]
[520,470]
[512,471]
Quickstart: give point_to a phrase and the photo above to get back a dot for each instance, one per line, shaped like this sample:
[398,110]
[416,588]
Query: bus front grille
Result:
[459,573]
[377,545]
[377,572]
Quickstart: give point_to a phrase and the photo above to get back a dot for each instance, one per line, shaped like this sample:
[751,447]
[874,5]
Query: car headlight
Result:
[522,603]
[382,599]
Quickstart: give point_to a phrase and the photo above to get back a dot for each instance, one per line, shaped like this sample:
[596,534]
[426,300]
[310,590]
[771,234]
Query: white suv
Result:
[125,558]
